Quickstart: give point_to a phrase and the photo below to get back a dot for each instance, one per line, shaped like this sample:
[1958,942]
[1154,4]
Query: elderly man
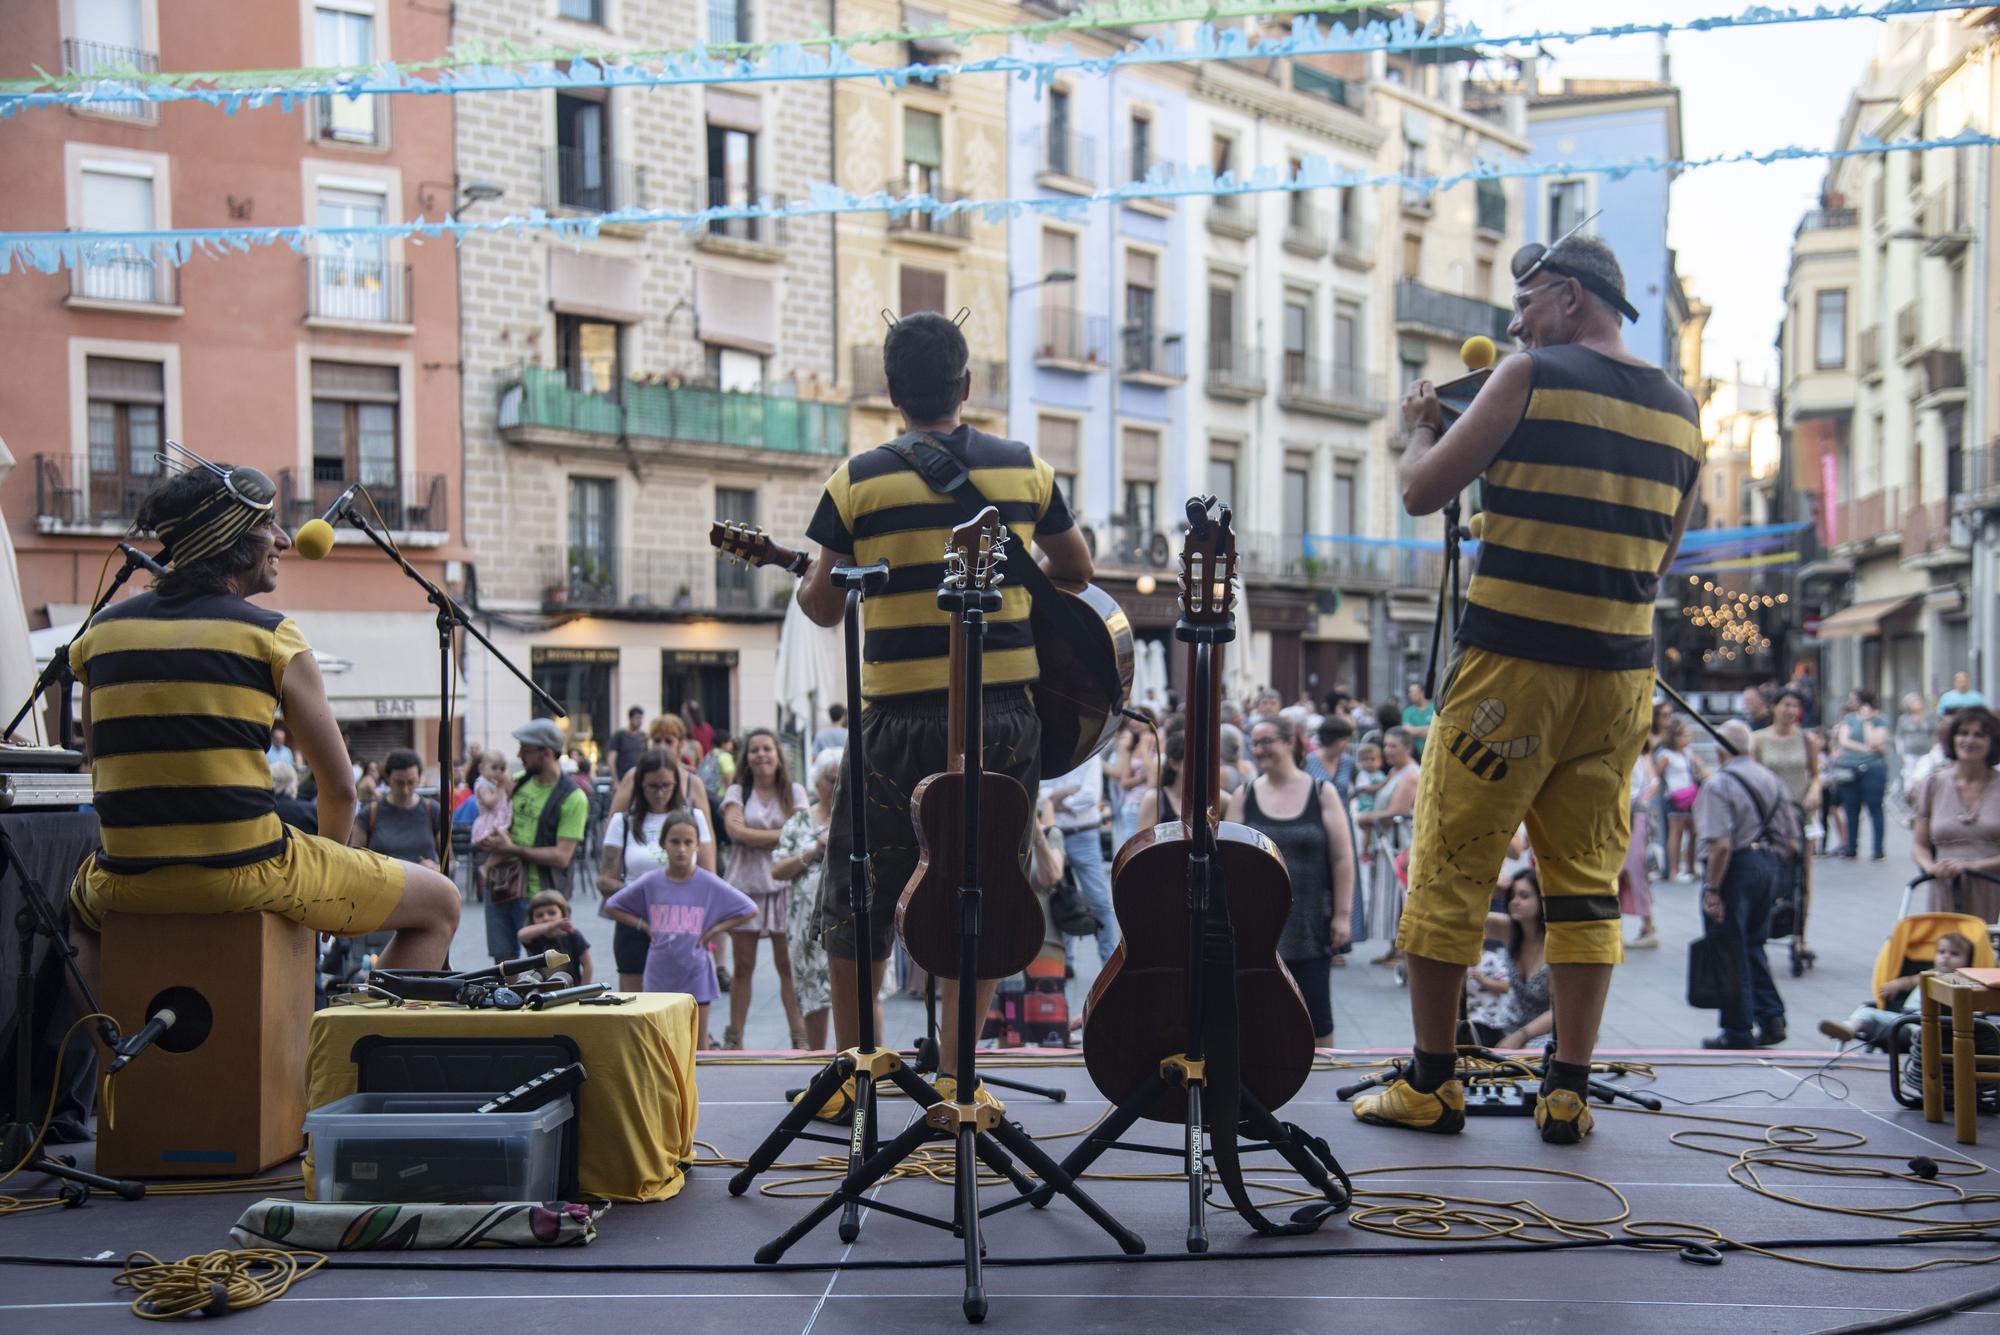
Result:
[1744,829]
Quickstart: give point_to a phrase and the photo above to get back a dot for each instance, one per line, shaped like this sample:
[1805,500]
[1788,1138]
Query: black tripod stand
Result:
[927,1053]
[17,1137]
[1450,598]
[59,672]
[979,1131]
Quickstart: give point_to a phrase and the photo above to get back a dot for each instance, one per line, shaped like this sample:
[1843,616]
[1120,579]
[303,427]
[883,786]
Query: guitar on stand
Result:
[1163,1036]
[951,816]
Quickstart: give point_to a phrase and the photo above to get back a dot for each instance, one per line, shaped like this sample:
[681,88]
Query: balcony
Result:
[68,496]
[1148,357]
[1943,377]
[131,281]
[1305,230]
[108,62]
[1979,486]
[752,238]
[1121,544]
[590,182]
[1418,203]
[1233,216]
[1868,351]
[414,506]
[1235,372]
[1447,315]
[1946,218]
[1069,341]
[1827,220]
[1927,530]
[356,289]
[1327,87]
[660,585]
[1871,520]
[1069,163]
[871,380]
[539,407]
[952,230]
[1330,389]
[1354,243]
[1906,330]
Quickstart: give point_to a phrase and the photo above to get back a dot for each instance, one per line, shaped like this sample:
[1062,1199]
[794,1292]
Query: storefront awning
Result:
[1864,618]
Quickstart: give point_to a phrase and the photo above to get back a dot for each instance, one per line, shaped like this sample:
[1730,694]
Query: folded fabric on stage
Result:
[334,1227]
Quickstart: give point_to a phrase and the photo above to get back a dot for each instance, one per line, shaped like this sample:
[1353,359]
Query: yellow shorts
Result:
[327,886]
[1517,740]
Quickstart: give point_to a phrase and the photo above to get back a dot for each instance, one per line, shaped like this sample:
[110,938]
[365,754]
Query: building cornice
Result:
[1396,92]
[1239,92]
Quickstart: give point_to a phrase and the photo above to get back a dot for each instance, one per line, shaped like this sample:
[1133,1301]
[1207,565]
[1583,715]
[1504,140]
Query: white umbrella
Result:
[1239,674]
[17,664]
[811,669]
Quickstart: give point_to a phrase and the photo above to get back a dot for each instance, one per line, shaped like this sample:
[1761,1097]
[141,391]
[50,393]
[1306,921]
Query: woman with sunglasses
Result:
[1589,457]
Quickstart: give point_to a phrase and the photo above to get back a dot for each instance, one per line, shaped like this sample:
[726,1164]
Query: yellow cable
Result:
[214,1283]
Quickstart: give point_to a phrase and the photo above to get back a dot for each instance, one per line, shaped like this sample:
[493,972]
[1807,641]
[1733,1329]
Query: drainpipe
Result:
[1985,635]
[833,219]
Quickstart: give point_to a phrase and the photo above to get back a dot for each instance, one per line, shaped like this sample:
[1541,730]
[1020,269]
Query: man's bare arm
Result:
[1436,468]
[318,740]
[819,597]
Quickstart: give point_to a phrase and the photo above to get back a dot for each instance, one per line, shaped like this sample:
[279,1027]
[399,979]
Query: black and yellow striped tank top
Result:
[182,693]
[877,508]
[1579,508]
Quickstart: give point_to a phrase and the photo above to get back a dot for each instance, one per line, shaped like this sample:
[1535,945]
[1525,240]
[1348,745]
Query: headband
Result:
[218,519]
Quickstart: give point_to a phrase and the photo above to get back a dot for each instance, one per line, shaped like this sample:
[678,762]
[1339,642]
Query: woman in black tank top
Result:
[1313,841]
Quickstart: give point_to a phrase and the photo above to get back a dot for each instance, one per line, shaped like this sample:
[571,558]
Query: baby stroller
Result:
[1911,948]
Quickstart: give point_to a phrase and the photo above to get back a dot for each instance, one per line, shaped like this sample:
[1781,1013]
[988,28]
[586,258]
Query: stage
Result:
[685,1265]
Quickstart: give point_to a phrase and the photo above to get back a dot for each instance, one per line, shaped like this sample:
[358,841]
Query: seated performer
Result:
[1590,458]
[181,684]
[876,507]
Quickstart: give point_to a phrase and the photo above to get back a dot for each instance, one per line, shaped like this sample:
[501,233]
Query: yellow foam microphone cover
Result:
[1476,526]
[1477,352]
[314,540]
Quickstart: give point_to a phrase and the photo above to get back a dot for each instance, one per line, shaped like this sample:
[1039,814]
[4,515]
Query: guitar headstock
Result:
[976,551]
[749,545]
[1208,564]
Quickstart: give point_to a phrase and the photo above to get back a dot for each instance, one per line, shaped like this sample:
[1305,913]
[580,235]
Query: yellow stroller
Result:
[1911,947]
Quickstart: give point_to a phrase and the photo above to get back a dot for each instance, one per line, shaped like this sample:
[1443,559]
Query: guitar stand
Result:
[927,1053]
[979,1132]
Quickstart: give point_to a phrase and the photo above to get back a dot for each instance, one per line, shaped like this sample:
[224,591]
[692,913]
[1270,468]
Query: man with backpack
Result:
[1744,827]
[550,815]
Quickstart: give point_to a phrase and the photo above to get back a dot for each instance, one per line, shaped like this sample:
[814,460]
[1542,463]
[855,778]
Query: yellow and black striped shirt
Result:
[1579,507]
[877,508]
[182,694]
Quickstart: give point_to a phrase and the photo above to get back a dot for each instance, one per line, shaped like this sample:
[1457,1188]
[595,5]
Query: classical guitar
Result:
[1141,1010]
[928,915]
[1082,641]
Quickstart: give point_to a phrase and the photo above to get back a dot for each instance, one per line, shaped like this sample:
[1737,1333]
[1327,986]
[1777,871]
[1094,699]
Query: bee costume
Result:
[1550,688]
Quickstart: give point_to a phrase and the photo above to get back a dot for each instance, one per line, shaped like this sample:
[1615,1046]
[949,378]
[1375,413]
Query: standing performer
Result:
[181,684]
[1590,458]
[876,507]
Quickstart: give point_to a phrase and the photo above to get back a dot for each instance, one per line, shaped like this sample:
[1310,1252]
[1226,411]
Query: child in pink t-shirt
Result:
[681,908]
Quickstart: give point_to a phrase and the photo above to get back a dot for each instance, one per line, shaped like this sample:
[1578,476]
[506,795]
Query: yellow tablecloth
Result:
[635,1114]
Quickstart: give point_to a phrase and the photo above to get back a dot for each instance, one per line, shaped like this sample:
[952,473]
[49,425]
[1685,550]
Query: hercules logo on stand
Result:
[1488,759]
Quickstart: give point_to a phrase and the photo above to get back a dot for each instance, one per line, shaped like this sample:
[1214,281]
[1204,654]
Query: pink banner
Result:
[1829,490]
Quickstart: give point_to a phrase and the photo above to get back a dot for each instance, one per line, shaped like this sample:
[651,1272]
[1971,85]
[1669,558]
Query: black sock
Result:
[1428,1070]
[1566,1075]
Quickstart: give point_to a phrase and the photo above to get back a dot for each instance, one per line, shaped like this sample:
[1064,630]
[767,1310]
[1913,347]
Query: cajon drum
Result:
[222,1093]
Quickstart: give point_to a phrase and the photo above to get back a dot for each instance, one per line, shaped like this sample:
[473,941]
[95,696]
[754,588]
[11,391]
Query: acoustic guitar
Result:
[1140,1009]
[1011,924]
[1083,643]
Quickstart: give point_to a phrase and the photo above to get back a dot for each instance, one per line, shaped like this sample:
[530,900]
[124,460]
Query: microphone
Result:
[1477,352]
[143,561]
[163,1020]
[315,537]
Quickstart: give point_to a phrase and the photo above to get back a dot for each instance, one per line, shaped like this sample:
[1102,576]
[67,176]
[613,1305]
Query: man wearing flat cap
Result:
[1589,459]
[550,814]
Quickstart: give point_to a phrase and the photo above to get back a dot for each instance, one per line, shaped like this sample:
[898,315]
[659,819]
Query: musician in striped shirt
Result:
[1589,458]
[181,687]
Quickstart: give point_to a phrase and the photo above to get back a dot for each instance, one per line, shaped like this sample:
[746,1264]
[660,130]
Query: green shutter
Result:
[923,138]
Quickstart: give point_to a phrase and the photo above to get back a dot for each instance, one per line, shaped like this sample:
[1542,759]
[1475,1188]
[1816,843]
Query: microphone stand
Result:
[59,670]
[450,614]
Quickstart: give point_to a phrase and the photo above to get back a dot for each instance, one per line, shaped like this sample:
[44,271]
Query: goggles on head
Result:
[246,499]
[1534,258]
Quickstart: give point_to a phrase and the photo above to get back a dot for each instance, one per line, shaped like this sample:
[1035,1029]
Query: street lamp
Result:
[1052,276]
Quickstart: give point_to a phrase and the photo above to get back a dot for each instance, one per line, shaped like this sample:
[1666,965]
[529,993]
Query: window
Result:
[1346,494]
[1141,300]
[923,163]
[1222,154]
[1830,330]
[117,196]
[1413,166]
[355,409]
[1222,318]
[587,354]
[1298,336]
[732,177]
[1056,442]
[1413,371]
[1139,464]
[1350,216]
[111,35]
[344,34]
[735,582]
[1140,514]
[1141,149]
[922,289]
[127,404]
[1569,204]
[1491,205]
[1413,254]
[583,11]
[1059,254]
[1298,495]
[1222,479]
[583,154]
[735,370]
[593,536]
[351,279]
[1347,355]
[1061,150]
[1482,278]
[1298,212]
[728,21]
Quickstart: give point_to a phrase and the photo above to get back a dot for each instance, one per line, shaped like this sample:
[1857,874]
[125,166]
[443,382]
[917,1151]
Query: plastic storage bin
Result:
[435,1147]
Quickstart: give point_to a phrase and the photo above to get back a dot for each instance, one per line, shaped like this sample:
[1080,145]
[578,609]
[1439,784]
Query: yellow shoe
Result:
[1563,1116]
[947,1088]
[1442,1111]
[836,1108]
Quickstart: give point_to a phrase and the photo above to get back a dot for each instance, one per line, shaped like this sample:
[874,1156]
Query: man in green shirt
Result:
[541,776]
[1417,717]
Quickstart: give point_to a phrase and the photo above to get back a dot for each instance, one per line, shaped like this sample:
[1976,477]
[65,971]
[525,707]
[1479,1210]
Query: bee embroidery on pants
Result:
[1488,759]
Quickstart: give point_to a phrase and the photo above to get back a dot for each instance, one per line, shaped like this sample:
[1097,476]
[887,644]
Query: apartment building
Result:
[622,392]
[323,370]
